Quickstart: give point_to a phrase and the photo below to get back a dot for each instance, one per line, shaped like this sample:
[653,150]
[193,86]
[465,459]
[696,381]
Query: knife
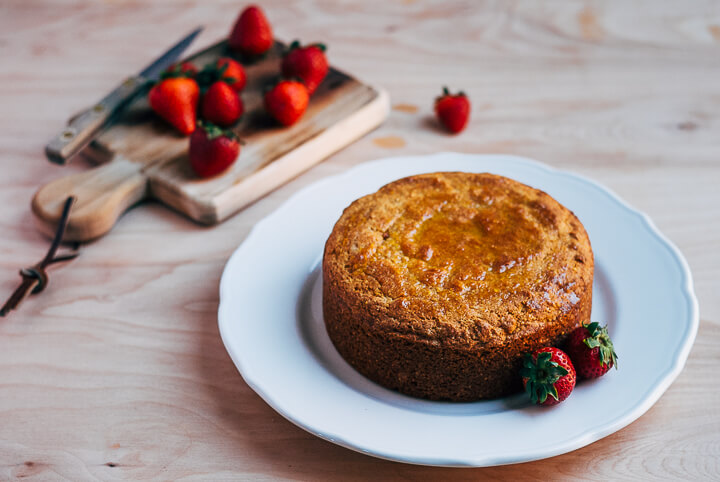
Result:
[82,129]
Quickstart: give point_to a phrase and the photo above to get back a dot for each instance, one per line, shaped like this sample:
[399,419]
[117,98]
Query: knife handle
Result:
[102,195]
[83,128]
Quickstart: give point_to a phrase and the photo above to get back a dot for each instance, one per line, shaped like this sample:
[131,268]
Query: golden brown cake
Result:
[437,284]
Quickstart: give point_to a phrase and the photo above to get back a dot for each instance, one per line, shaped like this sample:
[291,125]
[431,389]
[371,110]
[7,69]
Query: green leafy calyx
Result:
[446,93]
[212,73]
[213,131]
[176,71]
[297,45]
[541,374]
[599,338]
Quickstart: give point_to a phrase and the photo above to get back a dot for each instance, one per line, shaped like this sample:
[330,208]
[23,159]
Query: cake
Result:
[438,284]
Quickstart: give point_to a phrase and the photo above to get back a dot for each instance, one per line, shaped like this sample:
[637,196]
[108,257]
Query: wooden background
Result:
[117,371]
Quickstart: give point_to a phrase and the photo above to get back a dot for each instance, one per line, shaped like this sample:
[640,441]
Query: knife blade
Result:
[82,129]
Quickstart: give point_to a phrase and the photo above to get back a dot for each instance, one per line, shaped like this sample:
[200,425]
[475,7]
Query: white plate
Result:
[270,320]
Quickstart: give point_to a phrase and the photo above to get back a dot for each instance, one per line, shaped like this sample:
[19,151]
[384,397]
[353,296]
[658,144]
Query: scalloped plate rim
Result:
[591,435]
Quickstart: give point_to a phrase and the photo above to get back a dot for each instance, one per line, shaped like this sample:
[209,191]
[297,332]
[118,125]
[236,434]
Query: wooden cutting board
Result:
[143,157]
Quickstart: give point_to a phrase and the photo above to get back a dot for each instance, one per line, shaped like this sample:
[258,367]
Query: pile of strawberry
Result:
[207,103]
[549,374]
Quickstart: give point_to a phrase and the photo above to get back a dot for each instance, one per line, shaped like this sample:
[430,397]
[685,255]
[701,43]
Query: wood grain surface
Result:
[117,370]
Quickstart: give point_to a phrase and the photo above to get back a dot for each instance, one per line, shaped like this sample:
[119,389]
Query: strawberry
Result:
[548,376]
[287,101]
[212,150]
[225,69]
[233,72]
[251,34]
[175,100]
[452,110]
[591,350]
[221,105]
[308,64]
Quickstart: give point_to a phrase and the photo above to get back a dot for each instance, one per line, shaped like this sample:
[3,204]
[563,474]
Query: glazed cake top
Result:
[475,258]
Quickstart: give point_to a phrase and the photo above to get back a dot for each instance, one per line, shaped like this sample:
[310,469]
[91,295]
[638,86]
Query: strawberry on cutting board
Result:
[212,150]
[226,69]
[452,110]
[251,34]
[591,350]
[232,72]
[221,104]
[307,63]
[287,101]
[175,99]
[548,376]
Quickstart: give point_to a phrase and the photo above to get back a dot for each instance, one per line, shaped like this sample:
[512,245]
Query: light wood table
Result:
[117,370]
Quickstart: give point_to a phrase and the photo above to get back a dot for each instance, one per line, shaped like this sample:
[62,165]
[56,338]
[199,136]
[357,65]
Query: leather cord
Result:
[35,278]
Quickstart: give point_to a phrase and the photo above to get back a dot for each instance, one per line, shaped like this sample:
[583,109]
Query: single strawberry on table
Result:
[452,110]
[175,99]
[251,34]
[212,150]
[548,376]
[307,63]
[591,350]
[287,101]
[221,104]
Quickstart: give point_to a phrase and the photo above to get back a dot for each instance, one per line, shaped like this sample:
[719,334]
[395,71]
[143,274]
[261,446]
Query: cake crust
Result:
[437,284]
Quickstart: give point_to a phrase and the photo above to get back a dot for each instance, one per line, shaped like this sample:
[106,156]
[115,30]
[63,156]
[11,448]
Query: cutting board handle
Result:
[102,194]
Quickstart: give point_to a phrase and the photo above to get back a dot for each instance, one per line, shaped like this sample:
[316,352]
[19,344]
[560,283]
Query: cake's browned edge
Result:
[420,368]
[438,369]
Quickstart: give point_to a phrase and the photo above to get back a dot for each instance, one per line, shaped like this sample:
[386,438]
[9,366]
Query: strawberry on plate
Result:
[251,34]
[307,63]
[452,110]
[212,150]
[548,376]
[175,99]
[221,104]
[287,101]
[591,350]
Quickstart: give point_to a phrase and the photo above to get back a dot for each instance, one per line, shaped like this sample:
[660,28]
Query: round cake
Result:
[438,284]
